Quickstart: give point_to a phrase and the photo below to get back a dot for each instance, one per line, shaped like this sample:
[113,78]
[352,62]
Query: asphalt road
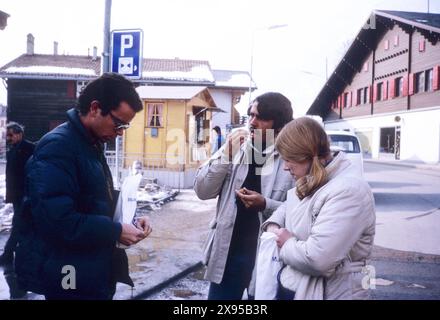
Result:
[406,258]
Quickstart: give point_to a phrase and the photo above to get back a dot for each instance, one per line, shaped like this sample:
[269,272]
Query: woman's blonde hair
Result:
[304,140]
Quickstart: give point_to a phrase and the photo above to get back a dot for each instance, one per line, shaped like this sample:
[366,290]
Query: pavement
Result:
[407,164]
[180,227]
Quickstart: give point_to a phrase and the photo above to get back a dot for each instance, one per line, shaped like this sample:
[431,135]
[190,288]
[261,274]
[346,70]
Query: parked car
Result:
[349,143]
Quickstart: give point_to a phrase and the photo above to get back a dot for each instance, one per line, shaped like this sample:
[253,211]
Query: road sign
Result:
[126,55]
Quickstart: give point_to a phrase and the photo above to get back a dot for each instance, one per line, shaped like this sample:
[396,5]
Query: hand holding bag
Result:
[267,268]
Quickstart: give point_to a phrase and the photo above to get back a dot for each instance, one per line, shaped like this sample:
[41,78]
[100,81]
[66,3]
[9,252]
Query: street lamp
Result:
[276,26]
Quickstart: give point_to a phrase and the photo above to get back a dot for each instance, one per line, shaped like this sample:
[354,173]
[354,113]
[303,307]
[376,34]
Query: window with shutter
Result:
[419,85]
[428,80]
[392,88]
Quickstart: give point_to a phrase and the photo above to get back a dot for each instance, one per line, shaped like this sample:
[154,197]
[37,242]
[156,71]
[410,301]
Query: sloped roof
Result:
[52,66]
[233,79]
[169,92]
[426,19]
[364,43]
[176,93]
[155,71]
[177,70]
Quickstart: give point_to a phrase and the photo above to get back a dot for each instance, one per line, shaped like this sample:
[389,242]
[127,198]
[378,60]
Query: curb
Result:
[162,285]
[406,165]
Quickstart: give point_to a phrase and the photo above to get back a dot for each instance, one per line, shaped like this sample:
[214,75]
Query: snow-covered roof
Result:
[154,71]
[169,92]
[46,66]
[232,79]
[50,70]
[197,73]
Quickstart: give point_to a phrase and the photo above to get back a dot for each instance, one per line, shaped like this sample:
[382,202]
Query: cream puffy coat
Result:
[333,236]
[215,178]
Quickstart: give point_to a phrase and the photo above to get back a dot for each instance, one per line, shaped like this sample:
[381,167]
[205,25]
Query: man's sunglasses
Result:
[119,124]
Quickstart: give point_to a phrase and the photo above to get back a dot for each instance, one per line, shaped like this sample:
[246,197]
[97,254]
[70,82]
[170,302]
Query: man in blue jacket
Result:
[68,245]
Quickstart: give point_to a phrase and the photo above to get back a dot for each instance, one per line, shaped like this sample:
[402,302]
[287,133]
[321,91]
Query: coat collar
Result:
[74,119]
[339,163]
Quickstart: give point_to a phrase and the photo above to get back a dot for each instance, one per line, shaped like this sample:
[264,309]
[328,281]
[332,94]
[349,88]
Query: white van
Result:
[349,143]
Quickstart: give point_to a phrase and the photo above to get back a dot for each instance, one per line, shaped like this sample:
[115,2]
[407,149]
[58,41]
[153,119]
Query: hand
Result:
[234,141]
[282,236]
[130,234]
[251,199]
[143,223]
[272,227]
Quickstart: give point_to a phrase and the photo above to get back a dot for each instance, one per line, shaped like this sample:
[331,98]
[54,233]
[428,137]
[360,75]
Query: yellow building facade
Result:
[171,133]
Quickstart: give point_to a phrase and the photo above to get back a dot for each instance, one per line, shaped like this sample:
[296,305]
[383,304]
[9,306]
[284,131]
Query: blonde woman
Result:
[325,229]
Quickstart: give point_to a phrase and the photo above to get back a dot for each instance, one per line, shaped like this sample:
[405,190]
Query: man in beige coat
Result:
[247,175]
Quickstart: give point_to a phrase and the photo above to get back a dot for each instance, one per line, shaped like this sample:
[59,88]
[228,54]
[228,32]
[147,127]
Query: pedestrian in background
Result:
[19,151]
[217,139]
[325,229]
[69,248]
[247,175]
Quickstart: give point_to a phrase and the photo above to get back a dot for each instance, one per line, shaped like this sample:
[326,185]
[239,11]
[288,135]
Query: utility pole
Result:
[106,68]
[106,49]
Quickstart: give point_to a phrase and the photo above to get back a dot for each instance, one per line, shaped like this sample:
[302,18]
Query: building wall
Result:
[389,64]
[40,105]
[420,132]
[362,79]
[421,61]
[223,100]
[173,148]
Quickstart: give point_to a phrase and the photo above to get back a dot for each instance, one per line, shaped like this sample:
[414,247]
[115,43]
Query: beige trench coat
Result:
[215,178]
[333,236]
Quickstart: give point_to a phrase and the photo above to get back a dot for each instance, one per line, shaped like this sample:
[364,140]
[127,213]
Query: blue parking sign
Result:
[126,57]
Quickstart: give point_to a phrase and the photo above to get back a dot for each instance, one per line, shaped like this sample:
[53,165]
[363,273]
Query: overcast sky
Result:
[291,60]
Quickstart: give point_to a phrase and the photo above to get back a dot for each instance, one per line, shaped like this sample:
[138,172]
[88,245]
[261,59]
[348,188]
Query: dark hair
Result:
[110,90]
[217,129]
[274,106]
[15,127]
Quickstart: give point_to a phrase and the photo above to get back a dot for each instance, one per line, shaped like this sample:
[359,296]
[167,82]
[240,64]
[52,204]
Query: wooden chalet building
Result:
[386,88]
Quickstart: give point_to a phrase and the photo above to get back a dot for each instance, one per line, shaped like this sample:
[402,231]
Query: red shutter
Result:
[436,78]
[375,93]
[385,90]
[411,84]
[70,90]
[392,88]
[405,86]
[355,98]
[421,45]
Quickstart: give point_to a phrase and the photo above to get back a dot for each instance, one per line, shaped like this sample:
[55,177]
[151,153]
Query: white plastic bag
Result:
[268,266]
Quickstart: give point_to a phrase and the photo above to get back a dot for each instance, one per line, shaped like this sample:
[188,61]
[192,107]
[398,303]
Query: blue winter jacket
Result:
[68,210]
